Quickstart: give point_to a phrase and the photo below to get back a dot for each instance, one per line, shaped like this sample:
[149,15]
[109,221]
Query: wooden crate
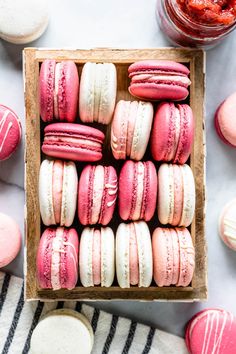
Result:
[33,227]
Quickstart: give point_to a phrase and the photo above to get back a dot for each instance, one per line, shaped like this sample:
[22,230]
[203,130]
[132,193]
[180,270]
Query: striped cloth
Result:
[113,334]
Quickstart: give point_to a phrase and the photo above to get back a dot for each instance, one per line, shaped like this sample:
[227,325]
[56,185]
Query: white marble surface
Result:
[131,24]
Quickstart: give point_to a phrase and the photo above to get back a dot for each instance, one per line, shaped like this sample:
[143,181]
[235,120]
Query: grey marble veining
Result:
[131,24]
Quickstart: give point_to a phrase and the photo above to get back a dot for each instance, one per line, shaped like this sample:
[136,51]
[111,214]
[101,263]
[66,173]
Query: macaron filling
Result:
[57,183]
[133,256]
[96,257]
[57,245]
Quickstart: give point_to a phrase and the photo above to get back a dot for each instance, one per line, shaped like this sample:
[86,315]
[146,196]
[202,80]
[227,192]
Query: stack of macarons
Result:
[115,203]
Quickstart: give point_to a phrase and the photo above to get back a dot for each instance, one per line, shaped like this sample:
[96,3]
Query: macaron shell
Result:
[96,197]
[144,253]
[109,197]
[107,256]
[212,331]
[225,120]
[150,192]
[165,206]
[10,132]
[154,66]
[162,248]
[119,127]
[227,224]
[178,195]
[157,91]
[46,89]
[85,193]
[176,256]
[186,134]
[46,192]
[142,130]
[57,188]
[122,255]
[131,126]
[56,247]
[96,257]
[10,239]
[188,195]
[86,95]
[68,91]
[127,189]
[43,259]
[187,257]
[86,257]
[217,127]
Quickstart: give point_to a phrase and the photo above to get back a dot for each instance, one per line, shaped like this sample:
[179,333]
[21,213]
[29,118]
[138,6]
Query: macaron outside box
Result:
[122,59]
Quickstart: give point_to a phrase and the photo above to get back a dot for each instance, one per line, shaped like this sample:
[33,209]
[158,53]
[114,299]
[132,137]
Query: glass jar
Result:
[185,31]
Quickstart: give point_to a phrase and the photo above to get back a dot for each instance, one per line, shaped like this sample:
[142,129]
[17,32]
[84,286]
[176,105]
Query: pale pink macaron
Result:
[211,331]
[173,256]
[10,239]
[97,257]
[58,90]
[159,80]
[57,259]
[227,224]
[225,120]
[134,255]
[10,132]
[130,129]
[176,195]
[172,133]
[58,185]
[97,194]
[137,190]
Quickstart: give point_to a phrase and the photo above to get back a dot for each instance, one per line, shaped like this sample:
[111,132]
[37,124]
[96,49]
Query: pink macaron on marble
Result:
[57,259]
[130,129]
[97,257]
[211,331]
[159,80]
[176,195]
[72,141]
[225,120]
[10,240]
[173,256]
[97,194]
[134,255]
[137,190]
[10,132]
[58,91]
[58,185]
[172,133]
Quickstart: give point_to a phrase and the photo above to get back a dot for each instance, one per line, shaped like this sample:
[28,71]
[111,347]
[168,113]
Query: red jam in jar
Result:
[196,23]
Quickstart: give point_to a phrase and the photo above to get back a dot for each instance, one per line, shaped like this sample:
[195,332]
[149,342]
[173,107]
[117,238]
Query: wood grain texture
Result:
[122,59]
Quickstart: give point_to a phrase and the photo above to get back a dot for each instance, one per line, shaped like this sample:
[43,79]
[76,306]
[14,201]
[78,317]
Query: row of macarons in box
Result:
[61,94]
[172,134]
[133,255]
[140,189]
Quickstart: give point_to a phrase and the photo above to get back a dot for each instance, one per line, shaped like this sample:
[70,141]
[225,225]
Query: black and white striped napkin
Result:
[113,334]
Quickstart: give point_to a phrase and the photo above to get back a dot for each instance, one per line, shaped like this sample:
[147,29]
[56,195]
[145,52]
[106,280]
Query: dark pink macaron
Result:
[73,142]
[137,190]
[172,133]
[211,331]
[57,259]
[97,194]
[58,90]
[10,132]
[159,80]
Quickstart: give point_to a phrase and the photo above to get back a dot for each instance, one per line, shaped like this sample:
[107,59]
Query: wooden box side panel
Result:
[193,58]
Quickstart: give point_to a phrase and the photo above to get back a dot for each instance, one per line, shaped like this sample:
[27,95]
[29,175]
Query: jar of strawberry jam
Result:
[196,23]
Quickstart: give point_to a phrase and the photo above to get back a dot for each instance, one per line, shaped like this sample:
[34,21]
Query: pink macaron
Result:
[58,90]
[57,259]
[134,264]
[172,133]
[227,224]
[176,195]
[10,240]
[58,184]
[173,256]
[137,190]
[97,257]
[10,132]
[73,142]
[97,194]
[130,129]
[159,80]
[225,120]
[211,331]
